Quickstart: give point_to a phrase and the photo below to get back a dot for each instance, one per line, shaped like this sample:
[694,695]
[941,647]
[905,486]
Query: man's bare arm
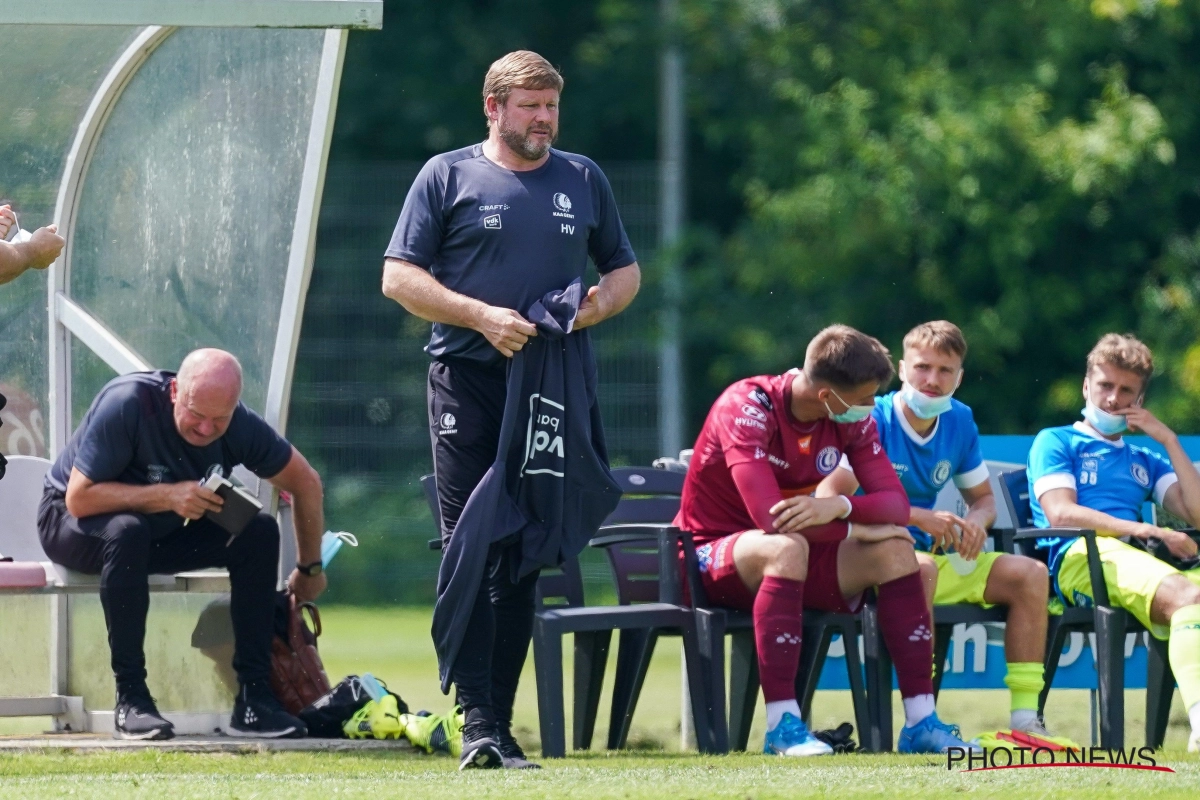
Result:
[37,253]
[188,499]
[422,295]
[611,296]
[1063,511]
[308,505]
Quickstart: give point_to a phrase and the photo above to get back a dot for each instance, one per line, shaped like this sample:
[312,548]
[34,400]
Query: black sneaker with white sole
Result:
[257,714]
[136,717]
[511,752]
[479,747]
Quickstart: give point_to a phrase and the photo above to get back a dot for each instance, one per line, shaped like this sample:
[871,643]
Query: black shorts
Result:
[466,406]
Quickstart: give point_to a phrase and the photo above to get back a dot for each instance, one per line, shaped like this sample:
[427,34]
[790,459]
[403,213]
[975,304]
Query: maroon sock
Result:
[778,623]
[908,633]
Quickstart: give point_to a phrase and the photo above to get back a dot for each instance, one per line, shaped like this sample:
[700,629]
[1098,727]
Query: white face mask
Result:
[921,404]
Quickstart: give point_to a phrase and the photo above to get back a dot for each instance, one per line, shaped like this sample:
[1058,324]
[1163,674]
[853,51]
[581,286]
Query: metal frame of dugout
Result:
[99,329]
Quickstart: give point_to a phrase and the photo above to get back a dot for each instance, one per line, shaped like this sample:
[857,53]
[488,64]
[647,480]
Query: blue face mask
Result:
[923,405]
[1105,423]
[851,414]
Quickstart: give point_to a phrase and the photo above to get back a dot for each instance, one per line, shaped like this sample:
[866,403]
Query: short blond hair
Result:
[520,69]
[1123,351]
[943,336]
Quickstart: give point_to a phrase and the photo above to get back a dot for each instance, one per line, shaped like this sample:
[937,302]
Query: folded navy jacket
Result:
[550,487]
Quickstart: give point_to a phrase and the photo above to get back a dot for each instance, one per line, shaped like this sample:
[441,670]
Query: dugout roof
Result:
[180,145]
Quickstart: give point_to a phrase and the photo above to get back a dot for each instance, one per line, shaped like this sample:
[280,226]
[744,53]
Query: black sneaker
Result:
[136,717]
[511,752]
[257,714]
[479,748]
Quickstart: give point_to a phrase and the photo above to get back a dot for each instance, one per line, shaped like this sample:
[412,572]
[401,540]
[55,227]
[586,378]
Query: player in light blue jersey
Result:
[1086,476]
[931,439]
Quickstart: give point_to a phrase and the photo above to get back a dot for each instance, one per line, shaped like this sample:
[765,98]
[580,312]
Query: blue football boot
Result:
[931,735]
[791,737]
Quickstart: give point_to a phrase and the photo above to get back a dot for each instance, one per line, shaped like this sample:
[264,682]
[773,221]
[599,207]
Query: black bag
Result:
[839,738]
[326,715]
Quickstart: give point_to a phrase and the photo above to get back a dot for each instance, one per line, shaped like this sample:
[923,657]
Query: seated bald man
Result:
[124,500]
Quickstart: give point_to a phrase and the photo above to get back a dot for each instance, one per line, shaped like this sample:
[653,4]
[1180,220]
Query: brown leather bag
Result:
[297,674]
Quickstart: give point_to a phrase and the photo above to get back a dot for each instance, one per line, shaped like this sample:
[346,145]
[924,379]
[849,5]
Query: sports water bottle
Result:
[332,542]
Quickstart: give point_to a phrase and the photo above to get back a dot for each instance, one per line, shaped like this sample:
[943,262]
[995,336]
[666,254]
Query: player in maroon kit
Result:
[767,546]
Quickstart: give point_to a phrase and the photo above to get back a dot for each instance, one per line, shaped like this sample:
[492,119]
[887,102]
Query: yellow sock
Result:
[1183,650]
[1024,681]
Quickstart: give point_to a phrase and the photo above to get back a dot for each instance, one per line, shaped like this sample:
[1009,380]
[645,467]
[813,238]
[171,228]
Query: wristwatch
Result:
[311,570]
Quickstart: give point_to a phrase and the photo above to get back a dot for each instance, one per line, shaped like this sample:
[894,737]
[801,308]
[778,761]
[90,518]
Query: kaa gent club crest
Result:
[544,438]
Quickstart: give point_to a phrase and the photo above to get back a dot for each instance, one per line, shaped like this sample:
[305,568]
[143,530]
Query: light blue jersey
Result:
[1116,478]
[925,463]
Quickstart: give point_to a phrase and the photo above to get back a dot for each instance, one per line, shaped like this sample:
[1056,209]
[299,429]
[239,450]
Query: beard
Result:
[521,142]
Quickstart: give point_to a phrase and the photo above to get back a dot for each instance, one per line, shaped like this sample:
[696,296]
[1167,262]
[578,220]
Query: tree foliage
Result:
[1023,169]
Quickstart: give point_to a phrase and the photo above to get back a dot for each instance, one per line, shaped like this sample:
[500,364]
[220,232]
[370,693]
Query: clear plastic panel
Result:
[186,215]
[50,74]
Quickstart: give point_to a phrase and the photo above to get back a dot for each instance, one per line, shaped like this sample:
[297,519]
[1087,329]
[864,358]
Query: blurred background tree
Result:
[1028,170]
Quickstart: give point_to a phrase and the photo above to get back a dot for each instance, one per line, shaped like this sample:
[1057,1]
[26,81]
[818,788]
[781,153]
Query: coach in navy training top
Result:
[485,232]
[124,500]
[506,237]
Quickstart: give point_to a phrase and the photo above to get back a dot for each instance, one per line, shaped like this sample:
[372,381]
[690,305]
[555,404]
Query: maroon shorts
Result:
[725,587]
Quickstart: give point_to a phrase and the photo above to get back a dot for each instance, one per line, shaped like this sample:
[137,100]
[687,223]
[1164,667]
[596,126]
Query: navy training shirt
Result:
[128,436]
[506,238]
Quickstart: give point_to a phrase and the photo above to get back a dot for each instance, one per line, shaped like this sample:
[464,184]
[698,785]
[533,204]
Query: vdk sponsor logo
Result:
[544,451]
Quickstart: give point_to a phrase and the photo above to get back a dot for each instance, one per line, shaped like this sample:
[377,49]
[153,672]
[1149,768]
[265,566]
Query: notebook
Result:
[238,509]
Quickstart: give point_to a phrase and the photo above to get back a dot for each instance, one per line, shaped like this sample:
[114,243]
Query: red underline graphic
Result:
[1100,766]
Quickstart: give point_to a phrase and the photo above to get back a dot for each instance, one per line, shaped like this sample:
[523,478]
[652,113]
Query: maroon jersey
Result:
[751,423]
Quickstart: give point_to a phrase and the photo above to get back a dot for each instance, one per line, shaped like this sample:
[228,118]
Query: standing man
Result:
[487,230]
[930,439]
[766,546]
[124,500]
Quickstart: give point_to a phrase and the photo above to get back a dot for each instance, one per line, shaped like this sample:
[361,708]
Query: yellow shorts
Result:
[1131,575]
[954,588]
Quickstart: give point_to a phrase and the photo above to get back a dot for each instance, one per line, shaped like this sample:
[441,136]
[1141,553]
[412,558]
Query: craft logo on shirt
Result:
[492,222]
[1140,475]
[563,205]
[544,453]
[827,459]
[779,462]
[446,424]
[805,444]
[900,468]
[941,472]
[876,448]
[753,413]
[759,453]
[757,395]
[156,472]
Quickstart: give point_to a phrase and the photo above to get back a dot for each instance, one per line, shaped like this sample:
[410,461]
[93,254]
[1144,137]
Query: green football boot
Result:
[435,733]
[376,720]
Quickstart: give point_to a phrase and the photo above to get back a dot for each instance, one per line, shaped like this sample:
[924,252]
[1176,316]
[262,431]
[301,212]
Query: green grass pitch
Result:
[394,644]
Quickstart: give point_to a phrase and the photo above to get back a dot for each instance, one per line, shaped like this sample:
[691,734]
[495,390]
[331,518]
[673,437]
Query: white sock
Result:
[1194,717]
[1023,719]
[777,709]
[917,708]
